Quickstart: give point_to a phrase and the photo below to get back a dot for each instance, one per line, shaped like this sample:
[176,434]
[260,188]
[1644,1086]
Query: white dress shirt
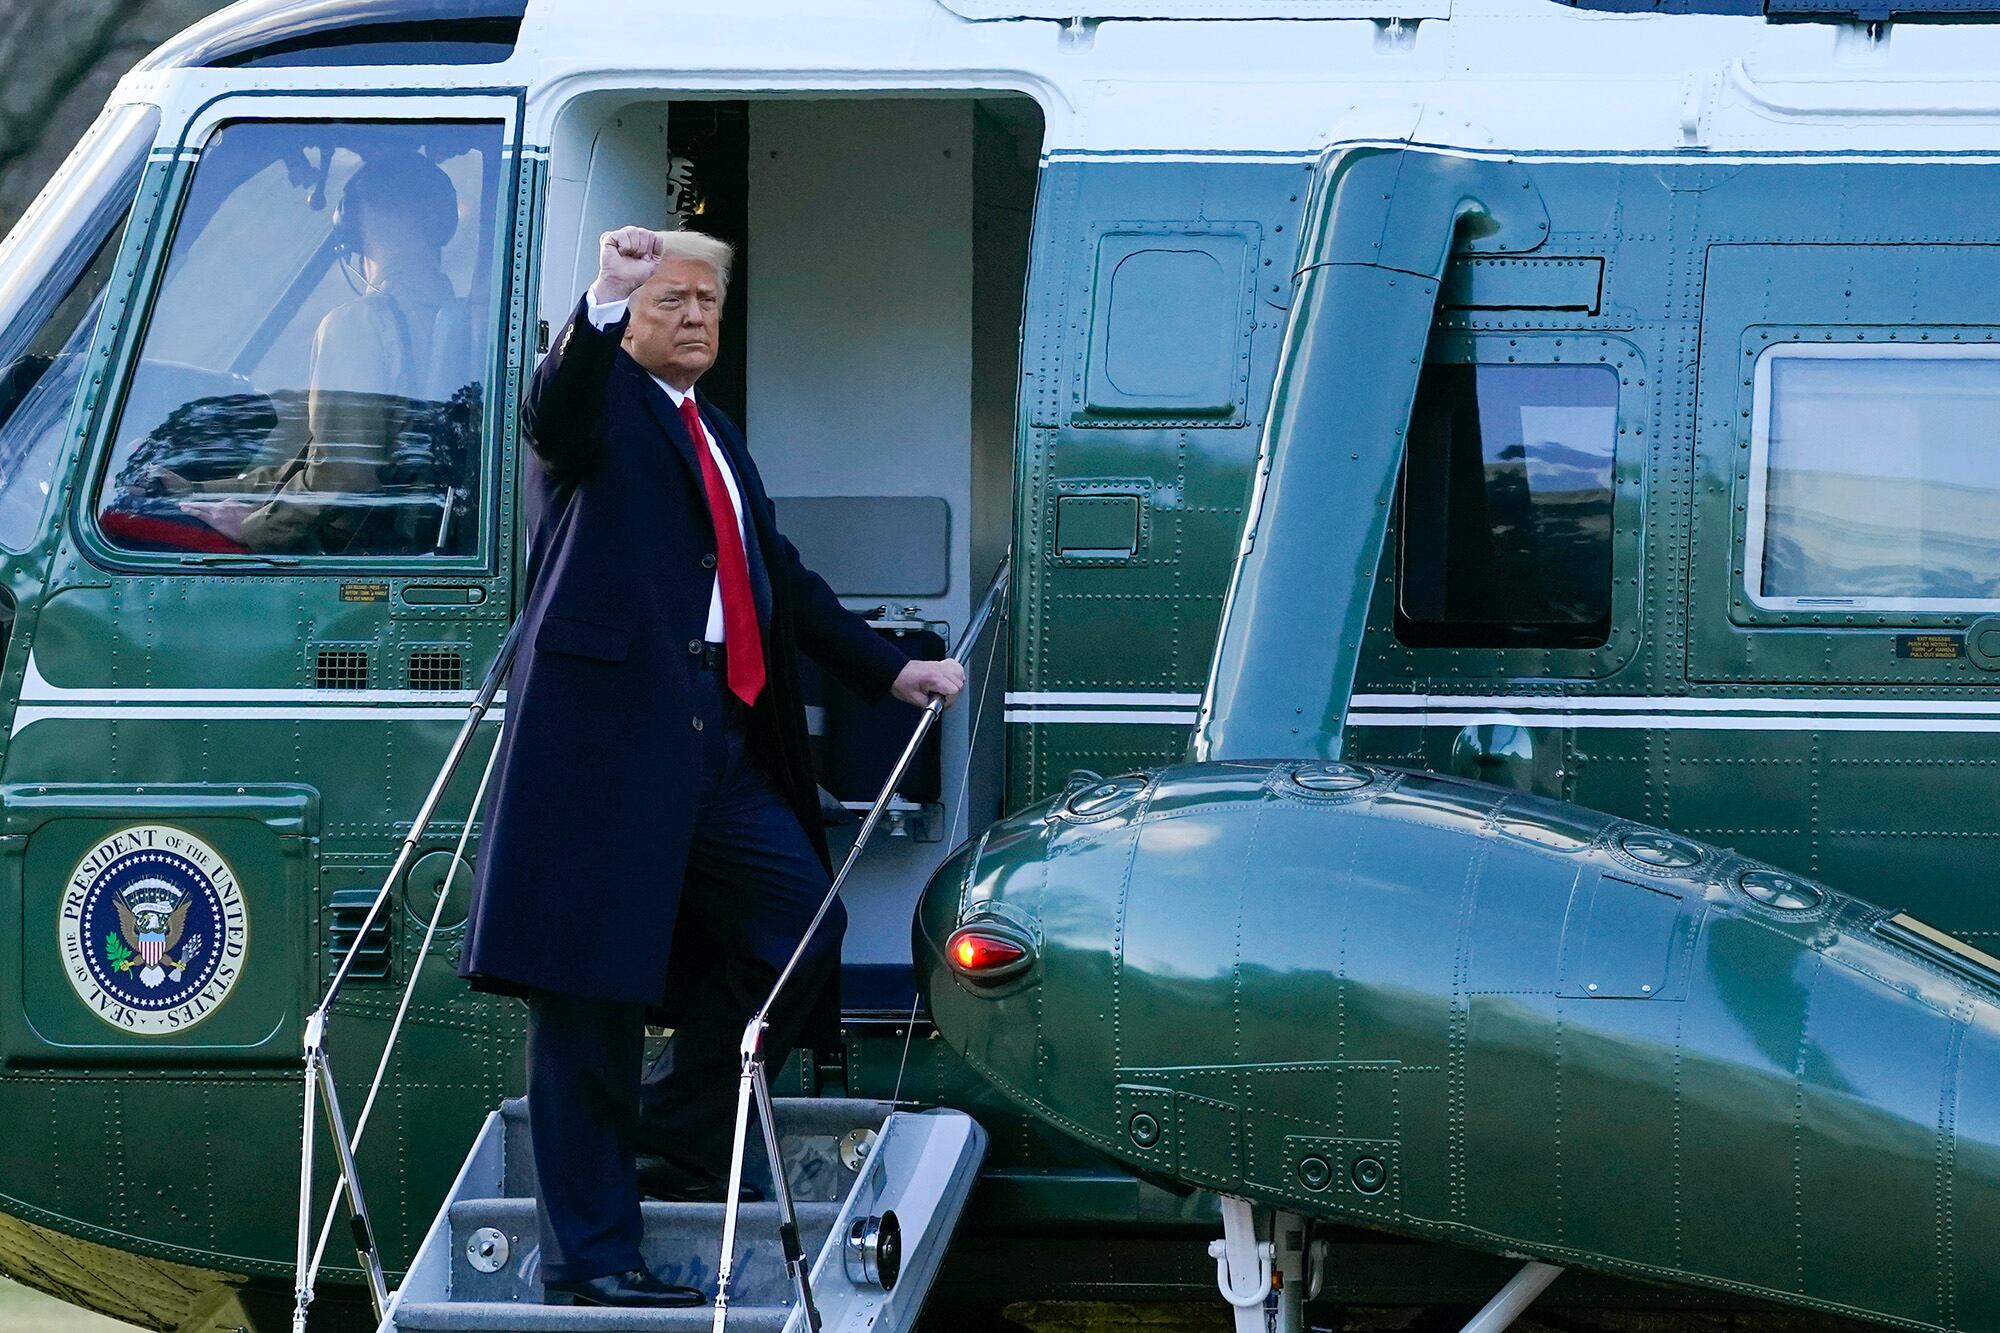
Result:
[604,314]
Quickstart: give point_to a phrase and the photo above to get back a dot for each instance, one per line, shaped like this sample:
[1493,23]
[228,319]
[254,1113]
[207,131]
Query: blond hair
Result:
[699,246]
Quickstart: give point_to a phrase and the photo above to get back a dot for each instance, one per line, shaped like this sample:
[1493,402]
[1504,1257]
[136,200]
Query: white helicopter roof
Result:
[1246,77]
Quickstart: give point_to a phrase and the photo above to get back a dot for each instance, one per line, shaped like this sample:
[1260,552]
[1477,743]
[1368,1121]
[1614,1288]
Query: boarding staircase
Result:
[875,1193]
[878,1194]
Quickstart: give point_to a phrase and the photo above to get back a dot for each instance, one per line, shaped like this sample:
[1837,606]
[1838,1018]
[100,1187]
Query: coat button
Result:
[694,646]
[697,724]
[708,562]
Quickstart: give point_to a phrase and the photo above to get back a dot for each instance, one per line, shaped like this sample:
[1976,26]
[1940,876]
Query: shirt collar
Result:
[678,395]
[416,282]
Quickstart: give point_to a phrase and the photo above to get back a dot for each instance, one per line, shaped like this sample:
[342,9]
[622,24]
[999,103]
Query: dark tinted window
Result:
[466,42]
[1506,521]
[345,32]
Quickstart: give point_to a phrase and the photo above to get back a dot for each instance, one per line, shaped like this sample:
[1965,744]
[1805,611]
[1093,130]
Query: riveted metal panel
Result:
[1481,282]
[1100,633]
[1626,941]
[1208,1140]
[1171,319]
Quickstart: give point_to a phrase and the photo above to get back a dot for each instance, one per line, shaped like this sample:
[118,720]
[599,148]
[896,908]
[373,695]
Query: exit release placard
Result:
[1930,647]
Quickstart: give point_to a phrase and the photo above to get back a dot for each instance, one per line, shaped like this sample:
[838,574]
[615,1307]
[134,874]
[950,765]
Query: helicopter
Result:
[1508,473]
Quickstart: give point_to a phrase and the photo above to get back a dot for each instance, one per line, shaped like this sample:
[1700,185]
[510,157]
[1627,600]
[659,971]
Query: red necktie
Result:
[732,570]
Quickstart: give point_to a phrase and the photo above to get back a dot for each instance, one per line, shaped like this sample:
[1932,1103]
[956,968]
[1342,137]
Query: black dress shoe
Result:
[639,1288]
[676,1182]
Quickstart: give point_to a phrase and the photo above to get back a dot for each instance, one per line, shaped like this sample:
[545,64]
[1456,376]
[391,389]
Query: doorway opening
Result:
[870,347]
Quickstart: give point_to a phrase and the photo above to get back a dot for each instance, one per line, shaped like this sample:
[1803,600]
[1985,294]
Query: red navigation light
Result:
[983,954]
[979,953]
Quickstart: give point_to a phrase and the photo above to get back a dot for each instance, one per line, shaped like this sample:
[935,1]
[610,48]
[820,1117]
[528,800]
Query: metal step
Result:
[847,1161]
[809,1134]
[502,1317]
[681,1245]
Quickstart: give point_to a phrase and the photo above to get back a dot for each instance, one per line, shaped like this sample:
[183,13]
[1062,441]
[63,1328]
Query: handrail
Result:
[751,1081]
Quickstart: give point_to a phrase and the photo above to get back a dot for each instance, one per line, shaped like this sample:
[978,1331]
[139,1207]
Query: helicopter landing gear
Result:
[1264,1267]
[1519,1293]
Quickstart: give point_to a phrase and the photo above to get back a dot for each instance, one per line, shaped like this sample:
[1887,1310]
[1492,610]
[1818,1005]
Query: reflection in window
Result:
[312,379]
[53,274]
[1506,520]
[1876,477]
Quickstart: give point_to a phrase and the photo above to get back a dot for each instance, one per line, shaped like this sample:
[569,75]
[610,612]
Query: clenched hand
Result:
[920,682]
[625,259]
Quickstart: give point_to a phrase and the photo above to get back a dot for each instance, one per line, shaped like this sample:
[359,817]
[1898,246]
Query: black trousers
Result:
[753,882]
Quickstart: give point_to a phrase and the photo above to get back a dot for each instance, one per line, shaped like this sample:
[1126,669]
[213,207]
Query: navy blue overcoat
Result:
[588,827]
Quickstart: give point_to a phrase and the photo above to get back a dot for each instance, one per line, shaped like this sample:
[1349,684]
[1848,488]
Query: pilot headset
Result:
[393,180]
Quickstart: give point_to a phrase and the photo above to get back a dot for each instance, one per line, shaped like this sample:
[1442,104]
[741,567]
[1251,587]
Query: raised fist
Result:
[625,259]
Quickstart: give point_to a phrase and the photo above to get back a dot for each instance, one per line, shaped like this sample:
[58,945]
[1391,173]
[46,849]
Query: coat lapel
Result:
[662,408]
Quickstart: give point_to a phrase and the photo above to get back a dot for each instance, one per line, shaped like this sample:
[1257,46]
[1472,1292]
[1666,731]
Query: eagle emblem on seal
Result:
[152,920]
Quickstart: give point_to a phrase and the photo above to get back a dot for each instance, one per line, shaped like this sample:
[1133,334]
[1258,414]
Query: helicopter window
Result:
[1506,519]
[1874,482]
[52,281]
[312,379]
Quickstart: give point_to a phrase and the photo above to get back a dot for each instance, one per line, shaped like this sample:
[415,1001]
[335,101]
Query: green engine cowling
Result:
[1464,1013]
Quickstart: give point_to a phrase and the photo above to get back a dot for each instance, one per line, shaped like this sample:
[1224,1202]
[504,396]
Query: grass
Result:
[26,1311]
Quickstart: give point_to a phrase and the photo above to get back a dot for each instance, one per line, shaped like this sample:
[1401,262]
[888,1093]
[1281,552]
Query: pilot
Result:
[654,842]
[372,360]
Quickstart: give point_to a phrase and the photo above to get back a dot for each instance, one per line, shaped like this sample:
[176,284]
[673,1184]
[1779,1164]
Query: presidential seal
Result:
[153,930]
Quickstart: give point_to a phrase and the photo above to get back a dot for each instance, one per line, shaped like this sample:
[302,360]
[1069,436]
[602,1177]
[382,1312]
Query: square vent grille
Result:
[346,910]
[341,669]
[437,669]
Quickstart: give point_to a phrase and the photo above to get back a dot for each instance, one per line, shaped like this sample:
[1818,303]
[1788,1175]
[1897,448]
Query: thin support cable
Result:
[409,993]
[951,829]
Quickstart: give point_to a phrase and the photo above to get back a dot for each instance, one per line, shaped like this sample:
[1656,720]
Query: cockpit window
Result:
[1506,518]
[312,380]
[53,272]
[1874,480]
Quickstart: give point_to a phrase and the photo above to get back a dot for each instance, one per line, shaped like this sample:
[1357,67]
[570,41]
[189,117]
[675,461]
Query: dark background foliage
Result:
[61,59]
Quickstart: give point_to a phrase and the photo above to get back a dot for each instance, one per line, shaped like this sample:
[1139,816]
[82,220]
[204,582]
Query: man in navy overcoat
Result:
[653,846]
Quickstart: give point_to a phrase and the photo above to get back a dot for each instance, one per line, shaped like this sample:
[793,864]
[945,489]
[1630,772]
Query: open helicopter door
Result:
[278,568]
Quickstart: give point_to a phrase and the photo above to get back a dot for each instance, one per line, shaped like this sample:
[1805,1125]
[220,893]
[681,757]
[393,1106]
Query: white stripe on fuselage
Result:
[1677,722]
[1584,712]
[42,701]
[1624,703]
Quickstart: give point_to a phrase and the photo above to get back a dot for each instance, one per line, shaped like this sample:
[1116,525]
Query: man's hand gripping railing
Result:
[319,1074]
[752,1082]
